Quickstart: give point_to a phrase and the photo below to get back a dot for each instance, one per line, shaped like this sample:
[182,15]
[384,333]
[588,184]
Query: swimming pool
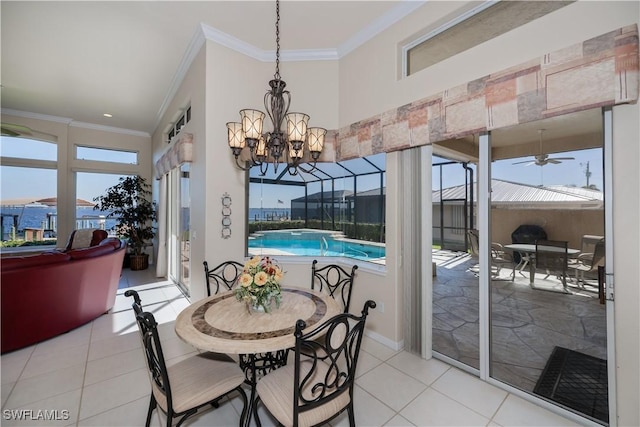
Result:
[306,242]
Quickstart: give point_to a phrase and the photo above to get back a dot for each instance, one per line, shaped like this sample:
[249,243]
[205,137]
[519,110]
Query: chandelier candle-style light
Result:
[285,142]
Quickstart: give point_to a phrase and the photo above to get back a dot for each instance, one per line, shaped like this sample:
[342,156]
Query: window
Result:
[28,205]
[90,185]
[106,155]
[471,28]
[175,127]
[28,179]
[336,210]
[23,148]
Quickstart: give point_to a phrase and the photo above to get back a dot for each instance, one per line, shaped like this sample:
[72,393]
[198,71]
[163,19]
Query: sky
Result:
[39,184]
[42,183]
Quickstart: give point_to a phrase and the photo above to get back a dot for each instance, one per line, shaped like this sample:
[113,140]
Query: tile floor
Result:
[97,374]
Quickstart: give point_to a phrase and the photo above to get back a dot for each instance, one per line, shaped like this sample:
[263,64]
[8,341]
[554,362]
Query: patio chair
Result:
[588,263]
[335,279]
[551,255]
[224,274]
[587,247]
[319,384]
[474,246]
[181,389]
[500,259]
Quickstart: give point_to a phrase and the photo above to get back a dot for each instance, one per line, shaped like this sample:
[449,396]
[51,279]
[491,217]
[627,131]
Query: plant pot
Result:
[139,262]
[126,261]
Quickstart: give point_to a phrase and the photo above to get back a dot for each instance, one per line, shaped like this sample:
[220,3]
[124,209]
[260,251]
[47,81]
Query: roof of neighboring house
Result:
[511,193]
[326,196]
[340,193]
[502,193]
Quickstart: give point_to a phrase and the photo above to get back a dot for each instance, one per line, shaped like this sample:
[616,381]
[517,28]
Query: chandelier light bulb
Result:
[252,121]
[235,135]
[315,139]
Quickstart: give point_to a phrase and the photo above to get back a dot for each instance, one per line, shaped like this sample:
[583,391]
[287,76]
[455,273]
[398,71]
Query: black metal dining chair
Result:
[224,274]
[318,385]
[183,388]
[335,280]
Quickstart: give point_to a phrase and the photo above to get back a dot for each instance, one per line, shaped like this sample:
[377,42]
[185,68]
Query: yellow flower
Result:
[278,275]
[253,262]
[245,280]
[261,278]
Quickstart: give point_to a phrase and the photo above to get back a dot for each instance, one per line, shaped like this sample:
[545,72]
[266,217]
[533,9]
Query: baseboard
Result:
[385,341]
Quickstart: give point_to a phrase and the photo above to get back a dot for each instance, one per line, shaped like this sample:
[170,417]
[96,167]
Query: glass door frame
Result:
[174,231]
[484,227]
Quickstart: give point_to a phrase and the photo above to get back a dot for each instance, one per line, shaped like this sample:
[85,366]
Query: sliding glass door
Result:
[179,227]
[547,315]
[455,328]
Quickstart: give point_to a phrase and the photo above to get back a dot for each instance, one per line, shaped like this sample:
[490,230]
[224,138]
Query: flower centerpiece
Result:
[259,283]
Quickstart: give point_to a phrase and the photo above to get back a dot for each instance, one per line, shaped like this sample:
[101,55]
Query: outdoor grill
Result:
[527,233]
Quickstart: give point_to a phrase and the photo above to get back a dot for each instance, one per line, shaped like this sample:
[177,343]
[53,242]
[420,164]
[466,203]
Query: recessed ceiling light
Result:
[108,115]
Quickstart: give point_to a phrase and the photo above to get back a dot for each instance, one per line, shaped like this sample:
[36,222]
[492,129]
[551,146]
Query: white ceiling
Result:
[79,60]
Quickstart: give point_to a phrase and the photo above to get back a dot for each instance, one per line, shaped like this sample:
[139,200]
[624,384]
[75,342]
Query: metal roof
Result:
[506,192]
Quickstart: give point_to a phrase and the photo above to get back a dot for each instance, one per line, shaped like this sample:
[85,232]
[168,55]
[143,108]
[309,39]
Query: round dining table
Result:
[222,324]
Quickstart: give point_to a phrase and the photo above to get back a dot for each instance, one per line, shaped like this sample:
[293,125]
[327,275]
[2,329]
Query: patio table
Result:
[529,250]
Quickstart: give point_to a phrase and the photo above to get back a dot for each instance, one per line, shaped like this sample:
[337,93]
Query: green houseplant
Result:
[128,202]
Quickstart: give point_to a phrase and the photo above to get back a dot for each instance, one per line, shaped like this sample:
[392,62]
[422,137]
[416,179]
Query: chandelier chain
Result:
[278,145]
[277,74]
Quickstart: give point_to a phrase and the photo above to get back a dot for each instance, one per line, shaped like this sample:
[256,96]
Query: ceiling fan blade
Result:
[9,129]
[554,161]
[519,163]
[9,132]
[563,158]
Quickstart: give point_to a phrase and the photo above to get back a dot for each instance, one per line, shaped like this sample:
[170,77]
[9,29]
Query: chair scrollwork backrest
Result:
[326,359]
[154,356]
[226,274]
[336,280]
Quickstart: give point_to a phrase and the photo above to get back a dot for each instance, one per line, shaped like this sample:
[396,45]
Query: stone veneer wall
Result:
[599,72]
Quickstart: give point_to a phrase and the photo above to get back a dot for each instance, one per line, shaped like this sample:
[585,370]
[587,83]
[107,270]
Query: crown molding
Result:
[207,32]
[111,129]
[195,44]
[404,9]
[37,116]
[73,123]
[305,55]
[234,43]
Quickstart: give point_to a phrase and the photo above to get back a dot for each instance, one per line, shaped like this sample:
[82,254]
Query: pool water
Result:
[313,243]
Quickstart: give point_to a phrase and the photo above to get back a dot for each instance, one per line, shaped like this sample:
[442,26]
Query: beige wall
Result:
[569,225]
[369,77]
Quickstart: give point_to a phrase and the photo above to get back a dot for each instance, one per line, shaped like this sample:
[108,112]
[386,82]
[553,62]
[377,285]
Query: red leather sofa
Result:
[54,292]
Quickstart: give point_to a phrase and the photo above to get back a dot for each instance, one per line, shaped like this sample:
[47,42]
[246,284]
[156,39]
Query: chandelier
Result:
[285,143]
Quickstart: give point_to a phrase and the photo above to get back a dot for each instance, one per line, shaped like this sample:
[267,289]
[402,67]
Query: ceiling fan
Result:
[543,159]
[9,129]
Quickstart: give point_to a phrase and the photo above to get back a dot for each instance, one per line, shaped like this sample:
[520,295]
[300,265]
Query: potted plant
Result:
[128,203]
